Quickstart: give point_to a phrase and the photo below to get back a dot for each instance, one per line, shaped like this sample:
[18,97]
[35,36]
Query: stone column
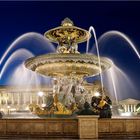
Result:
[124,107]
[12,102]
[128,110]
[6,99]
[43,100]
[24,98]
[37,99]
[132,108]
[88,126]
[18,98]
[31,98]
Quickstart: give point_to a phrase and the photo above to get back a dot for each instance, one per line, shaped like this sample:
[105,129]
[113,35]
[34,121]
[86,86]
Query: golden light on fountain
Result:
[67,61]
[68,66]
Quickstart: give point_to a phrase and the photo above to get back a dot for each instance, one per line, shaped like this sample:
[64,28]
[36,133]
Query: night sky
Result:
[17,18]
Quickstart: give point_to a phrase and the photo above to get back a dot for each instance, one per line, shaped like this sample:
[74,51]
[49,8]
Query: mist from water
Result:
[109,34]
[118,84]
[23,77]
[12,61]
[31,39]
[19,75]
[114,79]
[20,55]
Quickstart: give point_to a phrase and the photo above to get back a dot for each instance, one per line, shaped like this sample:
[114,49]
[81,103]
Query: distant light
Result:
[127,114]
[43,105]
[8,106]
[13,109]
[27,108]
[97,94]
[40,93]
[2,109]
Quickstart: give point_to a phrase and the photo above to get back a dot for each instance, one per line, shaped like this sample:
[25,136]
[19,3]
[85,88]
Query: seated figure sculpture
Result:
[67,46]
[101,105]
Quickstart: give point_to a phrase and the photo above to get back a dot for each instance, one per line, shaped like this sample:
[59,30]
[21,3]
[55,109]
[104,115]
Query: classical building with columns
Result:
[19,98]
[129,105]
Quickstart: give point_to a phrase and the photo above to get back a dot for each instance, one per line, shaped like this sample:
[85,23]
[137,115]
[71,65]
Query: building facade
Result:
[129,106]
[19,98]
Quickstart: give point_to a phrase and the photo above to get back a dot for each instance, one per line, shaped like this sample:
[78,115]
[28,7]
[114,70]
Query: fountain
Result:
[67,92]
[65,70]
[69,68]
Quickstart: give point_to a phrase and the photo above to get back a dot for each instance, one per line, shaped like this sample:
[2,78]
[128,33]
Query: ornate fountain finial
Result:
[67,22]
[67,36]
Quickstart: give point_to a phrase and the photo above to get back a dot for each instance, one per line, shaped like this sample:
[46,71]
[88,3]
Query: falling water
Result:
[24,77]
[114,85]
[114,80]
[20,54]
[87,46]
[118,83]
[31,35]
[122,35]
[19,75]
[91,29]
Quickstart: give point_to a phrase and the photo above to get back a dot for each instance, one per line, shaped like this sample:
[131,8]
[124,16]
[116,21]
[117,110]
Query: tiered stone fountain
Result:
[69,68]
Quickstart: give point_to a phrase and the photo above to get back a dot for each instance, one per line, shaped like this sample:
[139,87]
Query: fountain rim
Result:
[84,59]
[83,39]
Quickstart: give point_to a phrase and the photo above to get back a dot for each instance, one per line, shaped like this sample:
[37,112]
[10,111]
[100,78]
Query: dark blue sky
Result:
[17,18]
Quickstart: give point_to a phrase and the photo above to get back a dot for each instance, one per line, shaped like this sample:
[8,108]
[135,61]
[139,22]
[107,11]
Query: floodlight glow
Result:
[2,109]
[40,93]
[27,108]
[43,105]
[8,106]
[97,94]
[13,109]
[127,114]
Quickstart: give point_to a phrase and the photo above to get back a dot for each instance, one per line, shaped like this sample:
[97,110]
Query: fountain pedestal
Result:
[88,126]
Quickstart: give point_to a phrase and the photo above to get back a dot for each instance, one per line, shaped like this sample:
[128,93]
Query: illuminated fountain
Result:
[68,67]
[68,70]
